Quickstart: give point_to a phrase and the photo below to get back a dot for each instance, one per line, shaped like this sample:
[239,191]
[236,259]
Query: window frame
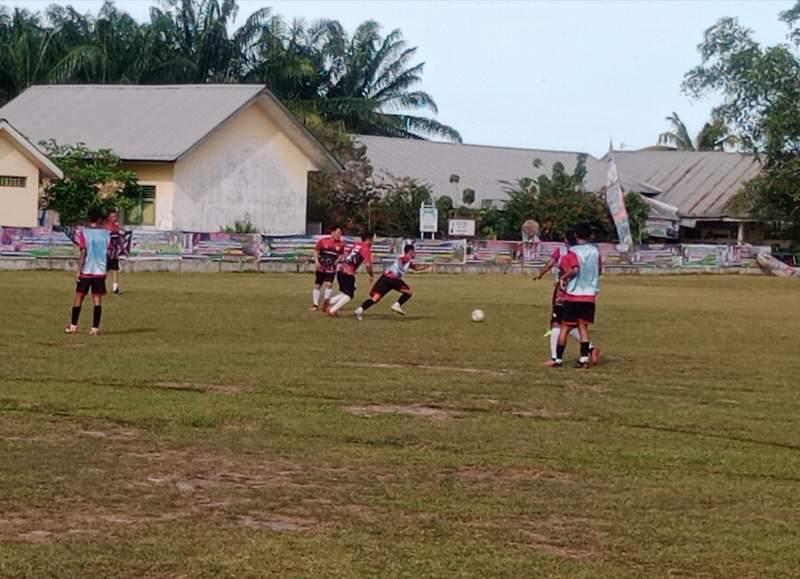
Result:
[12,181]
[144,197]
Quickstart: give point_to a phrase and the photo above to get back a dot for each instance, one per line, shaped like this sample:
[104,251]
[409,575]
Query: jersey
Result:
[96,242]
[115,246]
[360,253]
[329,252]
[558,256]
[400,267]
[586,284]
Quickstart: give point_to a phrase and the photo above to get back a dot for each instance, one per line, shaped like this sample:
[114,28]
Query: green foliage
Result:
[397,212]
[244,225]
[366,81]
[91,179]
[468,196]
[445,205]
[760,87]
[714,136]
[638,212]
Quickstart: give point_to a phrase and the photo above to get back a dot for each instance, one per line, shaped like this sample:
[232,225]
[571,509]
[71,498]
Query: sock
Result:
[577,335]
[403,298]
[315,296]
[341,301]
[76,313]
[98,311]
[114,286]
[328,294]
[367,304]
[584,352]
[554,332]
[560,352]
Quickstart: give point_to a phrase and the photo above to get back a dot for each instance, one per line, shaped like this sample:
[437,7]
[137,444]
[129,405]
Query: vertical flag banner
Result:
[616,203]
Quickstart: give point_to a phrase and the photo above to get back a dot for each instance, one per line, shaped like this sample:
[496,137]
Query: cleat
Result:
[94,332]
[71,329]
[582,365]
[551,364]
[118,291]
[359,315]
[594,354]
[398,310]
[325,305]
[314,308]
[332,314]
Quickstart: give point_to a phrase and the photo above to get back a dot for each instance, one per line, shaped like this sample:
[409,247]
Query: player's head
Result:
[336,232]
[569,237]
[583,232]
[95,215]
[408,249]
[112,216]
[367,237]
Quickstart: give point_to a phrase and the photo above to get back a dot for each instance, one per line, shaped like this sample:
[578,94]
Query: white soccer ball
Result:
[477,315]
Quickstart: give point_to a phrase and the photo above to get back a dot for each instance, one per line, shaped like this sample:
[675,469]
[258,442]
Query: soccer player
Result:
[581,283]
[392,280]
[557,310]
[346,276]
[94,241]
[327,253]
[116,248]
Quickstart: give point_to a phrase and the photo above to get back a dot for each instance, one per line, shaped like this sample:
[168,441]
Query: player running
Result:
[94,241]
[346,276]
[392,280]
[115,249]
[581,283]
[559,295]
[328,252]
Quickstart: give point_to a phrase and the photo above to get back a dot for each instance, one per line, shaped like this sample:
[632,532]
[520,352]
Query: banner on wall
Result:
[616,203]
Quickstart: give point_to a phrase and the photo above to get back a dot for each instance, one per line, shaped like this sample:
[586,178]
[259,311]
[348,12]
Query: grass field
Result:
[218,428]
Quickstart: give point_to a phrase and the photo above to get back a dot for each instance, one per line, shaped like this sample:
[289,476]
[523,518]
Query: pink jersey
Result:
[329,252]
[360,253]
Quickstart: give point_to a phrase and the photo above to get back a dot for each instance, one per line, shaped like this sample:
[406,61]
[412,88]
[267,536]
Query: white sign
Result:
[428,219]
[462,227]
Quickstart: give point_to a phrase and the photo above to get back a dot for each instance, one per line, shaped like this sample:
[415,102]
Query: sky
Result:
[568,75]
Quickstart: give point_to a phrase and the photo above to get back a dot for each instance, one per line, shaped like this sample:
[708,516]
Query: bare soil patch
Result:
[542,413]
[206,388]
[418,410]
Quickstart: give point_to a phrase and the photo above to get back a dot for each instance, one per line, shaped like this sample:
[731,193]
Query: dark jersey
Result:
[329,252]
[360,253]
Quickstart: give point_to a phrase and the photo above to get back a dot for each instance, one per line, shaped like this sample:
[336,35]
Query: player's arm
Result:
[547,267]
[81,262]
[317,263]
[420,266]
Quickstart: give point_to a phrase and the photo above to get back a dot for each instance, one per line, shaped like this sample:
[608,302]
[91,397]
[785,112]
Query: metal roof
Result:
[45,165]
[697,184]
[147,122]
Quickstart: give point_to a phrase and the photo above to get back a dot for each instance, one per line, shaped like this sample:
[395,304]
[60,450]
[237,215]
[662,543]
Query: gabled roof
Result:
[695,185]
[481,168]
[148,122]
[46,166]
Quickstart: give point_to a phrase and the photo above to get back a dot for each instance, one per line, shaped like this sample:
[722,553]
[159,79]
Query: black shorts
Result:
[386,284]
[575,312]
[558,313]
[321,277]
[112,264]
[97,285]
[347,284]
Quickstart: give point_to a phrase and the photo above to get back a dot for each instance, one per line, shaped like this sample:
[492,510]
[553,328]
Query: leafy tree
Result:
[91,179]
[468,196]
[714,136]
[638,213]
[397,212]
[444,204]
[760,88]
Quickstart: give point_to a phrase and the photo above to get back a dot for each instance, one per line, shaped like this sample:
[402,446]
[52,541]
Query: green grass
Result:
[217,428]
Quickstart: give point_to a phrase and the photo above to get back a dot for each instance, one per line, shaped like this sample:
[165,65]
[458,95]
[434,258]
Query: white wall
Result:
[247,166]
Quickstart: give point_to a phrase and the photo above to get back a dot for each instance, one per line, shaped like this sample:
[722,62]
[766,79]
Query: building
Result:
[206,155]
[23,169]
[688,192]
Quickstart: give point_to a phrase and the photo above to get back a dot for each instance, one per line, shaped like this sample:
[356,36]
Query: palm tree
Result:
[26,51]
[369,85]
[714,136]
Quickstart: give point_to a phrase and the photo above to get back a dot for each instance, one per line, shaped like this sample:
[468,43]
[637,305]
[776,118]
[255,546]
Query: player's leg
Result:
[327,288]
[81,289]
[555,332]
[375,294]
[406,294]
[583,332]
[594,351]
[315,293]
[98,291]
[347,287]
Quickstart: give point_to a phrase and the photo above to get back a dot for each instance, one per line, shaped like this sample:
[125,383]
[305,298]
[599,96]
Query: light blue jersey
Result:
[96,242]
[587,283]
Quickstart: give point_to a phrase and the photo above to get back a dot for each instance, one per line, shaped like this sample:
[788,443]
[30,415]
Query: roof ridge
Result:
[150,86]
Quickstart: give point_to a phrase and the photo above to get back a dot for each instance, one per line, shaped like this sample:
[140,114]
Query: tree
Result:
[638,213]
[91,179]
[397,212]
[760,89]
[468,196]
[714,136]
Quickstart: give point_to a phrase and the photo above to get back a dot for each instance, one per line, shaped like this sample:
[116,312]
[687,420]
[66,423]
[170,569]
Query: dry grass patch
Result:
[417,410]
[205,388]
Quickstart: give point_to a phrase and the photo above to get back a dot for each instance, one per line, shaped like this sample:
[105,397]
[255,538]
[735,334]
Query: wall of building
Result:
[161,176]
[19,206]
[248,167]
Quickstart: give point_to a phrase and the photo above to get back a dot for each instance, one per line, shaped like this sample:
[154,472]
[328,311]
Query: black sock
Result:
[98,311]
[367,304]
[76,313]
[404,298]
[584,349]
[560,351]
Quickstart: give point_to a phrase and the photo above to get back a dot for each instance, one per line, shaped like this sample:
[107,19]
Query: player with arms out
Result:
[116,248]
[581,282]
[94,241]
[559,296]
[392,280]
[328,252]
[346,276]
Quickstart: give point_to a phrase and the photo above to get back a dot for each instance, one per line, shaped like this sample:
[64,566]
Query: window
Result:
[8,181]
[143,211]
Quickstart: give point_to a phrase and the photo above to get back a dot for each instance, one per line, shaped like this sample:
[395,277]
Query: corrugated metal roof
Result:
[479,167]
[699,185]
[146,122]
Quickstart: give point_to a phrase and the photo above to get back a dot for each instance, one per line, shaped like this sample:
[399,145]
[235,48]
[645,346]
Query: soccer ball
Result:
[477,315]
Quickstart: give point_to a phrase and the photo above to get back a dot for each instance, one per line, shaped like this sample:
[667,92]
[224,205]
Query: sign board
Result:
[461,227]
[428,218]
